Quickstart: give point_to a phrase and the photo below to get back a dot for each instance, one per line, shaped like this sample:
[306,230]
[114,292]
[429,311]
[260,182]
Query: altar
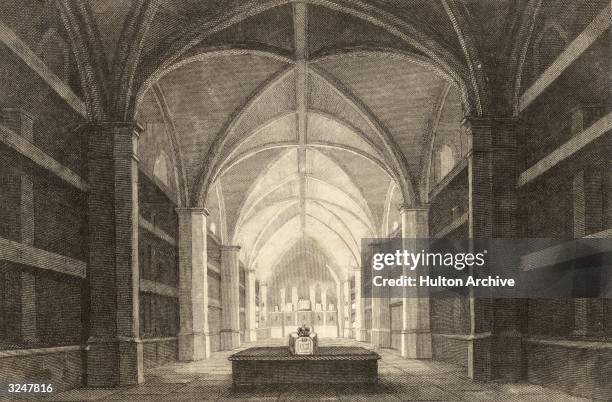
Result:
[328,365]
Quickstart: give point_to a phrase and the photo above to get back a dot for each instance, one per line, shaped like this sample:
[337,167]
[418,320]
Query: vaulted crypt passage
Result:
[182,179]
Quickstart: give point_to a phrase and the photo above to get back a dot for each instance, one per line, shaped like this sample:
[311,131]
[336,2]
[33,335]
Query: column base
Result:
[380,338]
[114,362]
[229,339]
[509,362]
[251,335]
[347,333]
[416,344]
[193,346]
[479,358]
[30,340]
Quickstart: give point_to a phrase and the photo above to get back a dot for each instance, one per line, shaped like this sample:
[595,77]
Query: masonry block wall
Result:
[569,201]
[450,314]
[43,230]
[214,291]
[242,303]
[159,306]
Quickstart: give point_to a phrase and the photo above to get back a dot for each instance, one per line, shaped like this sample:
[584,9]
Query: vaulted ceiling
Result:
[294,121]
[302,122]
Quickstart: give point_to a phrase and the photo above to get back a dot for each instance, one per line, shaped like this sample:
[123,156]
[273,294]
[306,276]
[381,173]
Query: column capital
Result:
[489,133]
[125,135]
[114,125]
[487,121]
[405,208]
[7,112]
[192,210]
[228,247]
[18,120]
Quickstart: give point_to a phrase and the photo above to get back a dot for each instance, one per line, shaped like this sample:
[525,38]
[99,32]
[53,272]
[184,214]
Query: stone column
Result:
[346,301]
[381,321]
[358,305]
[480,222]
[230,298]
[114,350]
[607,183]
[340,308]
[263,304]
[312,295]
[492,213]
[324,303]
[380,333]
[415,332]
[324,297]
[251,316]
[588,205]
[23,124]
[28,280]
[294,297]
[194,337]
[589,217]
[283,298]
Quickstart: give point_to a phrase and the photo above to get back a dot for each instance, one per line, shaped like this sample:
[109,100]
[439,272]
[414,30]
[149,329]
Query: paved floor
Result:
[400,379]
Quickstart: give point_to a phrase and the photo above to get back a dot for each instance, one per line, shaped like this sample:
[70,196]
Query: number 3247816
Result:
[30,388]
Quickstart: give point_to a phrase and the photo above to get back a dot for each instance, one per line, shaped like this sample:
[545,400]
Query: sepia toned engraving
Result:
[186,186]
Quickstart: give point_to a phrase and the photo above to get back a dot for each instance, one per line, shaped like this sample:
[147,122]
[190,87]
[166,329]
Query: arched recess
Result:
[446,130]
[431,140]
[555,39]
[284,238]
[222,213]
[445,160]
[385,230]
[161,166]
[54,52]
[176,155]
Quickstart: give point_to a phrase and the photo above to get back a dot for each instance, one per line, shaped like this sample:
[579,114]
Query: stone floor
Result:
[400,379]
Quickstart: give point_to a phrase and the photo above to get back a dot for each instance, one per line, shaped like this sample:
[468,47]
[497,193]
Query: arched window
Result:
[446,161]
[213,227]
[160,170]
[547,46]
[54,53]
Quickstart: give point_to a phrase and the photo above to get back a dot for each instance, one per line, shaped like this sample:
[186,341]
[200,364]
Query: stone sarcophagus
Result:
[303,342]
